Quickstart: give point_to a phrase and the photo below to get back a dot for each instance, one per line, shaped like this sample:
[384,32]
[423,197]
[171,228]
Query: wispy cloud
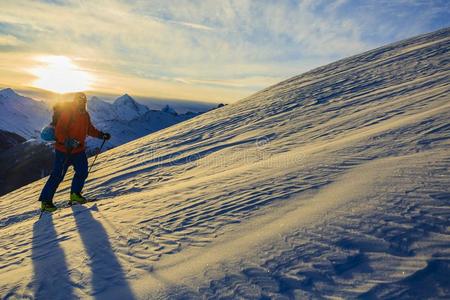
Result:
[9,40]
[208,50]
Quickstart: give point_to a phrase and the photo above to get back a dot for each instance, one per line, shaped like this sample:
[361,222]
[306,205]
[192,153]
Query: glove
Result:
[70,143]
[104,136]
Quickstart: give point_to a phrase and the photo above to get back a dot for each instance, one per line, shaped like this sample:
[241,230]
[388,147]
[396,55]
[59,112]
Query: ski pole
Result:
[95,158]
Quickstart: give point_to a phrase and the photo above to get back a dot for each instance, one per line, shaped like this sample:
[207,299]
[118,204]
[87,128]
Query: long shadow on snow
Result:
[106,270]
[51,275]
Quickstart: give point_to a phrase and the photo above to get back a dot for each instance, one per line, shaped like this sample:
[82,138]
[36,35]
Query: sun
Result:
[61,75]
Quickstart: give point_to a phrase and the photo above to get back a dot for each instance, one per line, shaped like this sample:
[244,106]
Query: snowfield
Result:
[332,184]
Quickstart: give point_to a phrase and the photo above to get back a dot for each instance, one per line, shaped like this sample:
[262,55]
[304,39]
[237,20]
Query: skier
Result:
[72,125]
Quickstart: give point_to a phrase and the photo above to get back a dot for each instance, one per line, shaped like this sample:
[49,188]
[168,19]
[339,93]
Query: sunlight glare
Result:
[59,74]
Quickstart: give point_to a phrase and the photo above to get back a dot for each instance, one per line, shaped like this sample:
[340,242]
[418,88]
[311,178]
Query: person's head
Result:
[79,100]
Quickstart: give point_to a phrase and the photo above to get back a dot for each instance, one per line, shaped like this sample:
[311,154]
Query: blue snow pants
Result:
[60,166]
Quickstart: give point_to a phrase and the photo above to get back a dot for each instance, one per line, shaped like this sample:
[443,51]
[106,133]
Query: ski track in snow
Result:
[332,184]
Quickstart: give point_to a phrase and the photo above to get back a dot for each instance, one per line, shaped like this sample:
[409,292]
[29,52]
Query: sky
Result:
[215,51]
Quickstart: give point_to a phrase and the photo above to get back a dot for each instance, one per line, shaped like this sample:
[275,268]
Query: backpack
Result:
[58,109]
[48,132]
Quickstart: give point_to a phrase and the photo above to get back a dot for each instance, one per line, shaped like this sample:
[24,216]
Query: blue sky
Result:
[201,50]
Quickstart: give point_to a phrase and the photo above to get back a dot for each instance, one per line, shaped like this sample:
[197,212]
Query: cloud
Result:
[192,25]
[200,49]
[9,40]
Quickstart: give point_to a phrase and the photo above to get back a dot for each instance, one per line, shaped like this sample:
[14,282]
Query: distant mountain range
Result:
[124,118]
[128,120]
[22,115]
[21,119]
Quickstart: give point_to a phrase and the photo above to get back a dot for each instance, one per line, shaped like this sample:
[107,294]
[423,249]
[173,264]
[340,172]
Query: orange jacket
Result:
[75,124]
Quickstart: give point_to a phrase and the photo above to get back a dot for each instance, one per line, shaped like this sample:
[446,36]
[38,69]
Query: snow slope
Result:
[332,184]
[22,115]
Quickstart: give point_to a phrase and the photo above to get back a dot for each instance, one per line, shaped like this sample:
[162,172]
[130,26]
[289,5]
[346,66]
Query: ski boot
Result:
[76,198]
[48,206]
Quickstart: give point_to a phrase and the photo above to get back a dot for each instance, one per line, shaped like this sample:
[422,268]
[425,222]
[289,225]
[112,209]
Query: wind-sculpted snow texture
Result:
[332,184]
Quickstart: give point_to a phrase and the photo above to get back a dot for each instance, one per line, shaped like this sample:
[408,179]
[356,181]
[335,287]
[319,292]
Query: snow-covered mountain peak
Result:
[8,92]
[124,98]
[128,109]
[168,109]
[22,115]
[101,110]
